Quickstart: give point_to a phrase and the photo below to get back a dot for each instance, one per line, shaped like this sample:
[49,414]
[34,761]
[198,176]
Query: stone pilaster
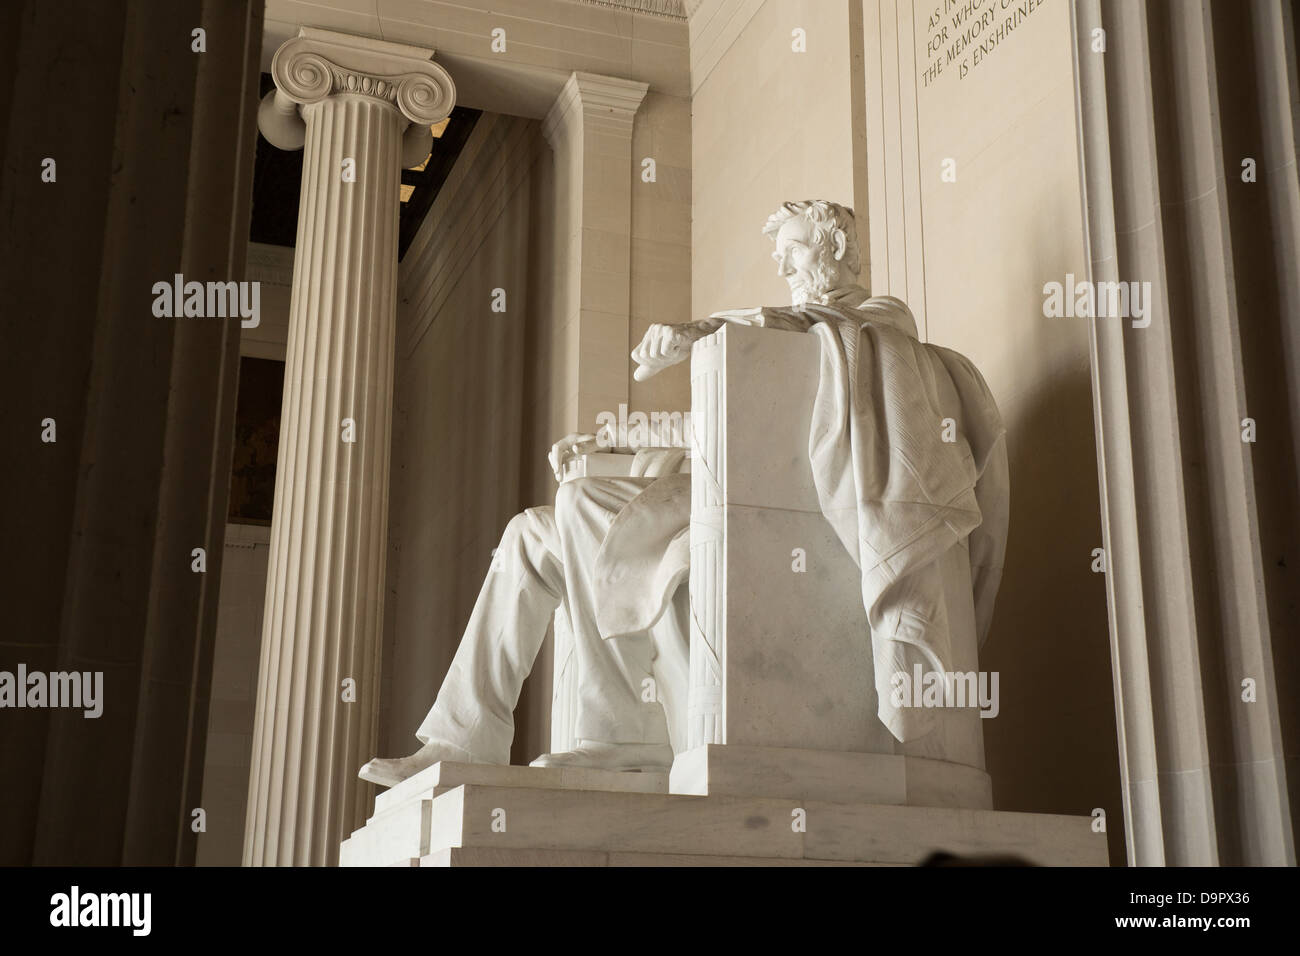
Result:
[590,128]
[361,110]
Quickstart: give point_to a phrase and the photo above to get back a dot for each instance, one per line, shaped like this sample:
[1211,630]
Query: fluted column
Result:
[361,109]
[1188,134]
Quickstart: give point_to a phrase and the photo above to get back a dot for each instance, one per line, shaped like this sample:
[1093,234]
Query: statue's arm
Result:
[665,345]
[786,318]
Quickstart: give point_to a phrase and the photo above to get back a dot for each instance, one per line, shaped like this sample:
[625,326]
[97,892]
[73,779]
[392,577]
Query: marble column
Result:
[1188,138]
[361,109]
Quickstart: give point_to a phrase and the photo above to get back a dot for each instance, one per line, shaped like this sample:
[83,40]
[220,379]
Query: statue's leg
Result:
[615,727]
[671,643]
[472,719]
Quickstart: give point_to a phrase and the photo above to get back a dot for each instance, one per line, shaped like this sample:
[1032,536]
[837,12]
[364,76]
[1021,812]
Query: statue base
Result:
[829,776]
[485,815]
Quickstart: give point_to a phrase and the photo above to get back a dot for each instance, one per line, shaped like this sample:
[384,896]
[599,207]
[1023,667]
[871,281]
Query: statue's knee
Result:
[518,529]
[516,526]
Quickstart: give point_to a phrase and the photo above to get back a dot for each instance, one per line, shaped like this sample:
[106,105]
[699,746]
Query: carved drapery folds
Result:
[708,567]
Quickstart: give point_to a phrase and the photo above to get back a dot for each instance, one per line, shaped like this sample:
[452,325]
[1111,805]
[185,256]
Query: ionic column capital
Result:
[317,64]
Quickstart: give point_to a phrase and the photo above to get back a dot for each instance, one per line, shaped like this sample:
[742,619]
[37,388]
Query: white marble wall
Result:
[769,124]
[661,242]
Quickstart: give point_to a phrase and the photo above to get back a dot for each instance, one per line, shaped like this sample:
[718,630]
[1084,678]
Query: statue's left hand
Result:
[570,446]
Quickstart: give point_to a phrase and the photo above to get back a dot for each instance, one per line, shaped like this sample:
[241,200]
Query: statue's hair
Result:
[825,217]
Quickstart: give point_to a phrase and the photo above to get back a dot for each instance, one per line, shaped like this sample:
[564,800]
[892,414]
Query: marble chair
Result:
[781,698]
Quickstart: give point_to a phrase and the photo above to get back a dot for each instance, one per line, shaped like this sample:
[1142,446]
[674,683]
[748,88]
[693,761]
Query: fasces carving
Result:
[708,571]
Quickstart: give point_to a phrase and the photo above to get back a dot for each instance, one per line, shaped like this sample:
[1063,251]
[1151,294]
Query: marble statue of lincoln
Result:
[898,484]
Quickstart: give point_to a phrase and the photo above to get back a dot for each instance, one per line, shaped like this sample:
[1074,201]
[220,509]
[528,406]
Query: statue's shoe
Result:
[594,755]
[390,771]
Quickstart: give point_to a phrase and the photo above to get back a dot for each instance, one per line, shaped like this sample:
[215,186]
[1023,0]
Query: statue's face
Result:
[807,265]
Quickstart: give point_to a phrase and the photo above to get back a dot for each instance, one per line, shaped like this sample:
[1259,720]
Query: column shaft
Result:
[324,603]
[361,109]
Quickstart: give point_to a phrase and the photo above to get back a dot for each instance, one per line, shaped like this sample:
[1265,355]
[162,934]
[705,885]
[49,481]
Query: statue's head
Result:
[816,248]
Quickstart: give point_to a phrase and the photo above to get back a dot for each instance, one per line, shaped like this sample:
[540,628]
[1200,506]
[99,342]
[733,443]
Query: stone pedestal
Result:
[829,775]
[352,103]
[476,815]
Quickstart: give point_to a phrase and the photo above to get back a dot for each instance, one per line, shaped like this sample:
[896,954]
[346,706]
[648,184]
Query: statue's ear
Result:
[839,242]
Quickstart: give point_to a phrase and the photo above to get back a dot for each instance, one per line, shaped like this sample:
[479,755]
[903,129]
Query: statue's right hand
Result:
[570,446]
[662,346]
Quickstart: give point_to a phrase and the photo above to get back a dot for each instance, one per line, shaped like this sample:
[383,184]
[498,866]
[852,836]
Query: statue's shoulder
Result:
[882,310]
[893,313]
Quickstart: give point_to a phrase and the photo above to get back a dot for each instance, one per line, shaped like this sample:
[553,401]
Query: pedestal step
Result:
[447,775]
[477,825]
[398,832]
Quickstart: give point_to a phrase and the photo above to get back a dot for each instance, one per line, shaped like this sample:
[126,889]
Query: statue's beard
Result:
[815,288]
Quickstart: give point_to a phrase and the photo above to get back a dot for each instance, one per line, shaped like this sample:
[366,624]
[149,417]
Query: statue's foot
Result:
[595,755]
[389,772]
